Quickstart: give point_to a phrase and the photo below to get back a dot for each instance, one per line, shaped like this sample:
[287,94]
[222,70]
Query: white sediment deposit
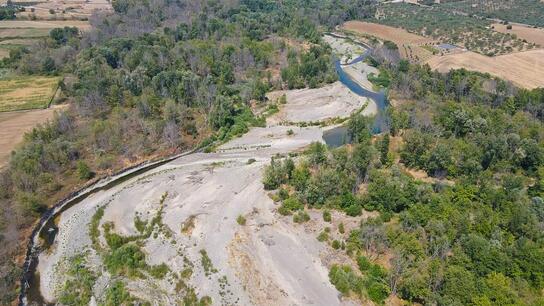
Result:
[268,261]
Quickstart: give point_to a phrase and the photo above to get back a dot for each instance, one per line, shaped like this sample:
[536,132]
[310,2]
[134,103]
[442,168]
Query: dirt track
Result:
[525,69]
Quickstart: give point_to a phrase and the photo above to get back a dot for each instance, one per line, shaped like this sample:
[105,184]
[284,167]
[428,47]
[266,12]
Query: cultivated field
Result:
[15,33]
[43,24]
[534,35]
[12,33]
[26,92]
[13,125]
[62,9]
[409,44]
[525,69]
[447,26]
[397,35]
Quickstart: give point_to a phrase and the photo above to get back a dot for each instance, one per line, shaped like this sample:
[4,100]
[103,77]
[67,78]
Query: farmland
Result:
[534,35]
[59,10]
[522,11]
[27,92]
[13,125]
[409,44]
[448,27]
[15,33]
[523,69]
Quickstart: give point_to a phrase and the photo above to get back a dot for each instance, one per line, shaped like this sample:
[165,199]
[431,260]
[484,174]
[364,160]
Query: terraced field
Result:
[27,92]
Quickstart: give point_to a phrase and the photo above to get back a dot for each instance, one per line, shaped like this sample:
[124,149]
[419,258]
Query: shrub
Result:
[241,220]
[125,260]
[117,294]
[83,171]
[327,216]
[336,244]
[290,205]
[159,271]
[301,217]
[345,280]
[323,236]
[353,210]
[341,229]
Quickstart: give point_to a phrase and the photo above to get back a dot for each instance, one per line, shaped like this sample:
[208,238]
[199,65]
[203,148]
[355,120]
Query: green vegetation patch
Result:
[78,288]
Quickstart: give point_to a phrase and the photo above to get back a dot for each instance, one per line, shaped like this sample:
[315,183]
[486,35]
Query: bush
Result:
[241,220]
[341,229]
[159,271]
[277,173]
[301,217]
[327,216]
[353,210]
[345,280]
[125,260]
[83,171]
[290,205]
[117,294]
[323,236]
[336,244]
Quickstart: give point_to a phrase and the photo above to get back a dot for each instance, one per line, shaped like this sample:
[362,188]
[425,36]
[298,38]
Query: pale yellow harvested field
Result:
[43,24]
[64,9]
[23,33]
[18,41]
[525,69]
[14,125]
[530,34]
[409,44]
[396,35]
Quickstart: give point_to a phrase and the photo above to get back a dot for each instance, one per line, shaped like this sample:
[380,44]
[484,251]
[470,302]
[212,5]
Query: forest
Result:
[468,234]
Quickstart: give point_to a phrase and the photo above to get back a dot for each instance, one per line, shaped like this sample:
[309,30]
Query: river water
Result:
[339,136]
[334,138]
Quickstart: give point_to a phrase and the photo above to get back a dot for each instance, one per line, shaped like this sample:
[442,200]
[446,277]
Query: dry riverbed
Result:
[269,260]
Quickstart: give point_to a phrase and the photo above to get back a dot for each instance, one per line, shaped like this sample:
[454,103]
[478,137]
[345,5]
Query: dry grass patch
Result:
[530,34]
[525,69]
[7,33]
[43,24]
[13,125]
[396,35]
[27,92]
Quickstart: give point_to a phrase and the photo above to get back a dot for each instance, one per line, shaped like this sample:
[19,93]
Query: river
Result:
[338,136]
[47,229]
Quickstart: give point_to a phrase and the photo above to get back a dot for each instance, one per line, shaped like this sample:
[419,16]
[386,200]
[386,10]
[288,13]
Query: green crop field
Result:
[26,92]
